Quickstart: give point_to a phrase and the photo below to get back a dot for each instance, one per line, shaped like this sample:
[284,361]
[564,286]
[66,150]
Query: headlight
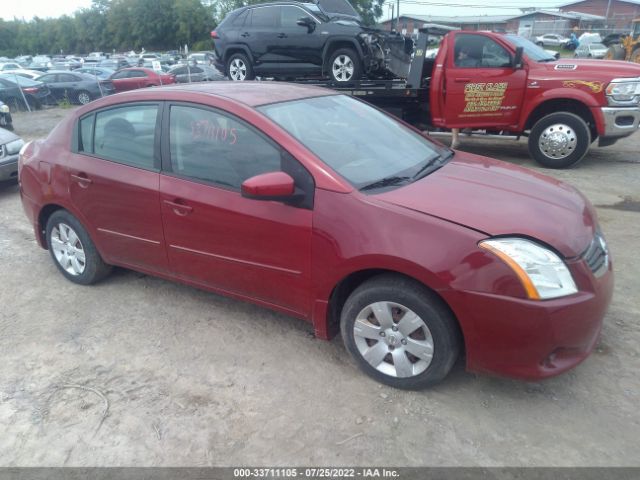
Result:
[368,38]
[543,274]
[4,108]
[624,90]
[14,147]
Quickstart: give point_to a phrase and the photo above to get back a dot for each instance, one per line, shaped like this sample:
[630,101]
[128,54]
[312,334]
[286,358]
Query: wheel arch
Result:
[43,217]
[237,48]
[570,105]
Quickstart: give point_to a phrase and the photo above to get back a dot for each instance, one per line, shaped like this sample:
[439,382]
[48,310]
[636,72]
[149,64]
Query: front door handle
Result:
[245,34]
[82,179]
[179,208]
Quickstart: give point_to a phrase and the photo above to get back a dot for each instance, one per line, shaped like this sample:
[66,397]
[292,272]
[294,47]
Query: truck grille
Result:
[596,255]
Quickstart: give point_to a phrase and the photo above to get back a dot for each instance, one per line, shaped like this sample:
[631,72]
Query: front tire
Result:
[345,66]
[559,140]
[238,68]
[400,333]
[73,251]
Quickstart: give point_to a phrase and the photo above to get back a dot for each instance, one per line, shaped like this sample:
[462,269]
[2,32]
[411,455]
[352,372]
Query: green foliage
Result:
[124,25]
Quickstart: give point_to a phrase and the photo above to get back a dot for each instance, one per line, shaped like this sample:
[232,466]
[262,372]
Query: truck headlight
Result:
[14,146]
[624,90]
[543,274]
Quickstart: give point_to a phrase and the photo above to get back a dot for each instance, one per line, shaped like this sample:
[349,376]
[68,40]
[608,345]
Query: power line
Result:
[460,5]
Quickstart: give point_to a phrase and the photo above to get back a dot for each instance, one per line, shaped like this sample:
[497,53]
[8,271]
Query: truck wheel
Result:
[615,52]
[239,68]
[399,333]
[559,140]
[635,56]
[345,66]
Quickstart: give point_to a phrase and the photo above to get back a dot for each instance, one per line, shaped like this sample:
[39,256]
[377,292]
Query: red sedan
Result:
[317,205]
[134,78]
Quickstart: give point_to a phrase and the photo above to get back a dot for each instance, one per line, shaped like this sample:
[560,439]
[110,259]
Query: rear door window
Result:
[265,17]
[126,135]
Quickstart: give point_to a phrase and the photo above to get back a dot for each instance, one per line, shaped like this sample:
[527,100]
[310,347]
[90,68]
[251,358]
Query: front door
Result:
[215,236]
[299,46]
[482,88]
[114,185]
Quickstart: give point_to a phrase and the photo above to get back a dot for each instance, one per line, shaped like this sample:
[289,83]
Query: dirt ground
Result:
[141,371]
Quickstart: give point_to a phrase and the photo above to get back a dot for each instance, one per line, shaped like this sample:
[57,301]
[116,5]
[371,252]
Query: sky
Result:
[27,9]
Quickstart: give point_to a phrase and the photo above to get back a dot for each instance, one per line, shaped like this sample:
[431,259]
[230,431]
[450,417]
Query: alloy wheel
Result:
[84,98]
[237,70]
[343,68]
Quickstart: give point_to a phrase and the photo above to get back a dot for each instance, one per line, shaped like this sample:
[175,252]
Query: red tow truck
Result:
[505,85]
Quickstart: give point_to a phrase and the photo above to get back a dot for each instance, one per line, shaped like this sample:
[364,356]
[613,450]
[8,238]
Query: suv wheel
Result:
[344,66]
[239,68]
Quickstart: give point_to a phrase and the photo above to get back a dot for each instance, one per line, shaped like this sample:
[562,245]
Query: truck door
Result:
[481,87]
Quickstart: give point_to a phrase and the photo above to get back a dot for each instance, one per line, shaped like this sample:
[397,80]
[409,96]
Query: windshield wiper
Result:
[434,162]
[386,182]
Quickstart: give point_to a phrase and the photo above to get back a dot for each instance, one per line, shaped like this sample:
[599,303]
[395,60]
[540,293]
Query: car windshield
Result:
[531,50]
[368,148]
[22,81]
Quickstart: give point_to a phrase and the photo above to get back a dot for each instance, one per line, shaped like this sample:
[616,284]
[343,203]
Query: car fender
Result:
[555,94]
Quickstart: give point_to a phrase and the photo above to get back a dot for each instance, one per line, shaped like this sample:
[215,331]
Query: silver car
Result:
[10,145]
[551,39]
[591,50]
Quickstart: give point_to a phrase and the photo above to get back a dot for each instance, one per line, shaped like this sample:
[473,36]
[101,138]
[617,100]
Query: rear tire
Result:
[635,56]
[559,140]
[400,333]
[72,250]
[345,66]
[238,68]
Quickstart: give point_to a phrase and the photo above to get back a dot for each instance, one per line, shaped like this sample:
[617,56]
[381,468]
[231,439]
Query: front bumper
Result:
[620,121]
[530,339]
[9,167]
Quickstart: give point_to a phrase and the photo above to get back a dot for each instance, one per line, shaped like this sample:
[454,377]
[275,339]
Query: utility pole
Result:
[398,17]
[606,15]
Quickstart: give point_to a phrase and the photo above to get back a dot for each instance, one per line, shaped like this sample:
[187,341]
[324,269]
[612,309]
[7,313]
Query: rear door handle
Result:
[179,208]
[245,34]
[82,179]
[282,35]
[461,80]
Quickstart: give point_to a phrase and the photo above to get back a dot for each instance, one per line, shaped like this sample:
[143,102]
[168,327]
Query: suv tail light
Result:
[30,90]
[214,34]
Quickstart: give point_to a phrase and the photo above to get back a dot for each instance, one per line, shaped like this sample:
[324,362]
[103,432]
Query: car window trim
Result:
[156,140]
[165,147]
[299,8]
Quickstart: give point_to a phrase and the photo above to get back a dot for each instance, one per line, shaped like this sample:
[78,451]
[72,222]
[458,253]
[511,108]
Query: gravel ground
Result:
[141,371]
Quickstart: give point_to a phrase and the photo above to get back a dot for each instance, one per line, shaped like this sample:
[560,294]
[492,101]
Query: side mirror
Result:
[307,22]
[269,186]
[517,60]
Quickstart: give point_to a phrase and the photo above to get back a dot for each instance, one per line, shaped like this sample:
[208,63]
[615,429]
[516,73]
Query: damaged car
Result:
[325,38]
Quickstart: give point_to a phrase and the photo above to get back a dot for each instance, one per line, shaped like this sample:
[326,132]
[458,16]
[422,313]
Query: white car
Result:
[8,66]
[591,50]
[551,39]
[26,73]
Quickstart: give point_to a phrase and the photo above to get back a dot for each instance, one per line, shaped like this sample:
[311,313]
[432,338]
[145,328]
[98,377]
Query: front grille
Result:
[596,256]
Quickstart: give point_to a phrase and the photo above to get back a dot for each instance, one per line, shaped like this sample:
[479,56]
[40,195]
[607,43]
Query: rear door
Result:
[261,36]
[114,184]
[52,81]
[215,236]
[481,88]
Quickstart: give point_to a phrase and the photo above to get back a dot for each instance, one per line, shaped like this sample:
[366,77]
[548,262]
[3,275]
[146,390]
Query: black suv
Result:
[293,39]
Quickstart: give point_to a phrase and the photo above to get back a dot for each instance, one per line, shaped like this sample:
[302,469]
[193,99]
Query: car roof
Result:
[253,94]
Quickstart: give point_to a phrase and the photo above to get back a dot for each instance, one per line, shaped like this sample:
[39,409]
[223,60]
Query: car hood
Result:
[498,198]
[610,68]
